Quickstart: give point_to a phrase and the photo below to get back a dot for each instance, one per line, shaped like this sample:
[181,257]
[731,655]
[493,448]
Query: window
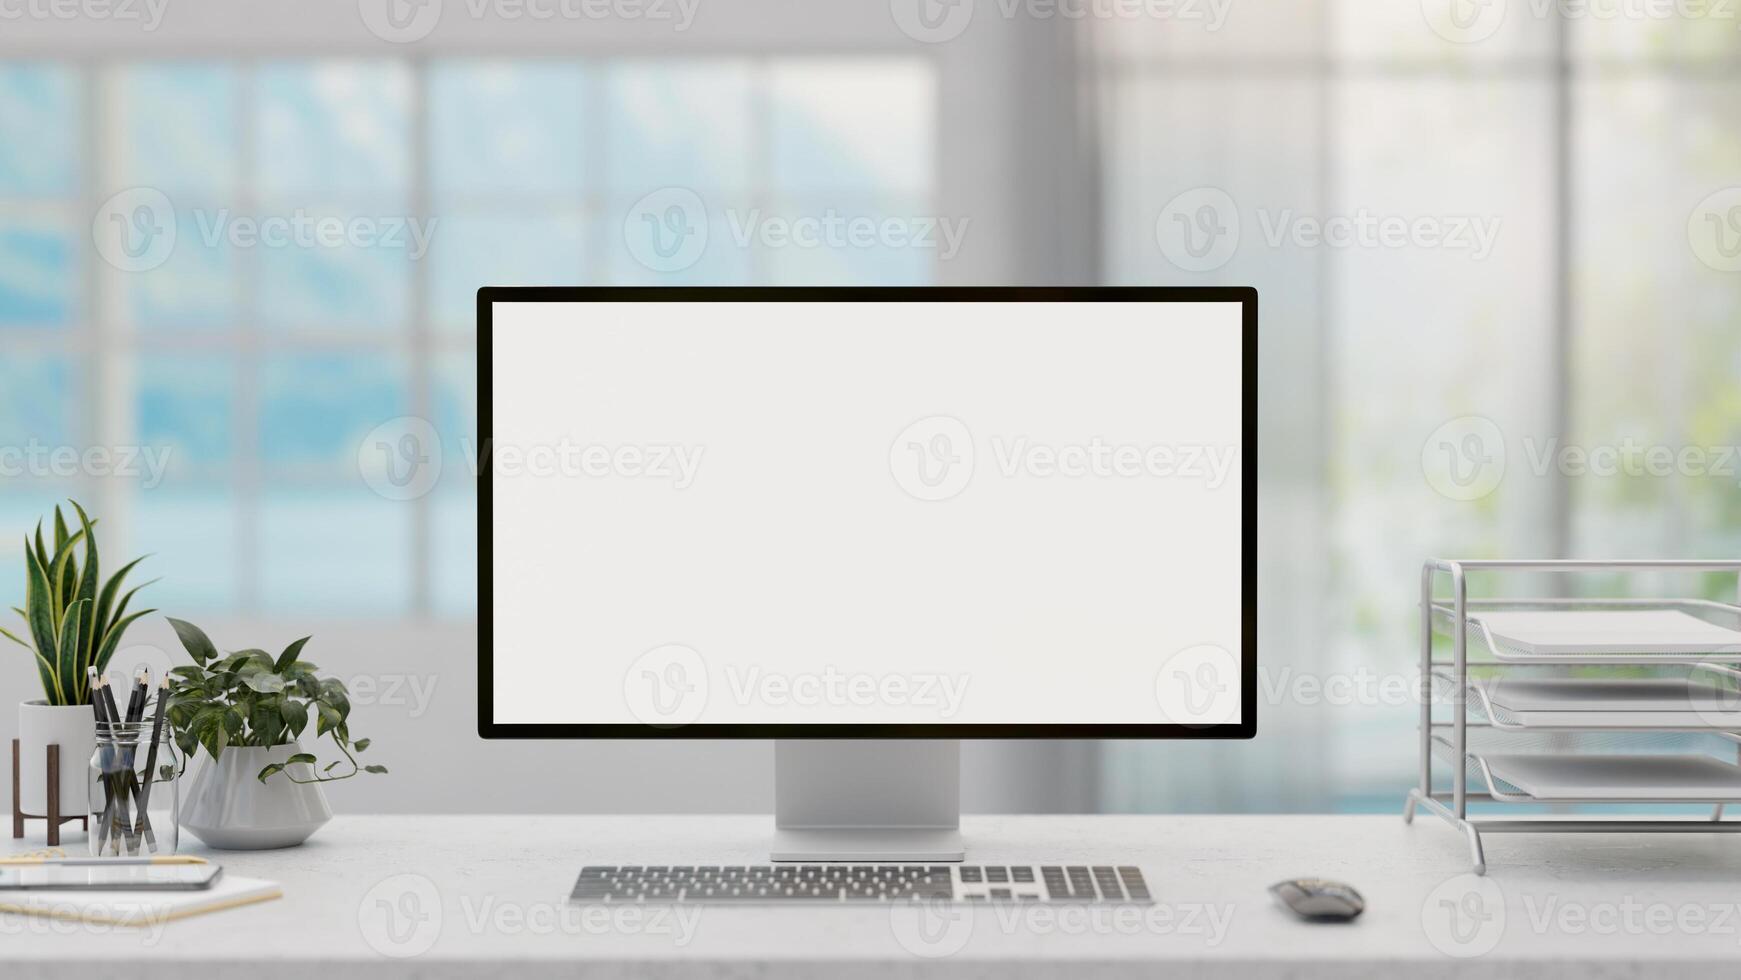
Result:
[258,278]
[1539,167]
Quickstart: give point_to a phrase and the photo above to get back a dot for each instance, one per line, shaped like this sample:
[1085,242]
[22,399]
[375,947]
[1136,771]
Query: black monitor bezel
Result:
[1246,296]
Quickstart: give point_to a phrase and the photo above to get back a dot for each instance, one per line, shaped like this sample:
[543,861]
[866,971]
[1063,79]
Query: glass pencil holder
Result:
[135,789]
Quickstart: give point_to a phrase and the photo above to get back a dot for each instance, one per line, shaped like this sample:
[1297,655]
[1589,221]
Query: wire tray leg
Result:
[1476,854]
[1408,806]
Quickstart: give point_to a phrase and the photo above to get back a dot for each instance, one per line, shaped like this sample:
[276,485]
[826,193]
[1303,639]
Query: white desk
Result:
[488,891]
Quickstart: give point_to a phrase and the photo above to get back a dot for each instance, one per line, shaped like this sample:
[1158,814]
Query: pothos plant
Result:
[250,698]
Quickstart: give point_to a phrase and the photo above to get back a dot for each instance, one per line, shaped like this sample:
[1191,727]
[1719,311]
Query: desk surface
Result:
[389,897]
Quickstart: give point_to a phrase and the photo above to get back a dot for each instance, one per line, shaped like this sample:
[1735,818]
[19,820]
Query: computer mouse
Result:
[1319,900]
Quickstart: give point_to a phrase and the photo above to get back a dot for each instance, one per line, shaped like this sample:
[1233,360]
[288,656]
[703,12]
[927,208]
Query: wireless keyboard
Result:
[872,883]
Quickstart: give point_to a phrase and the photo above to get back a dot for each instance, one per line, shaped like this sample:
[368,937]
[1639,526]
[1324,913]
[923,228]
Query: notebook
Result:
[140,908]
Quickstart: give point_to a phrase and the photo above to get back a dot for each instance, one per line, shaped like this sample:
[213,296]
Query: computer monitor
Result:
[867,523]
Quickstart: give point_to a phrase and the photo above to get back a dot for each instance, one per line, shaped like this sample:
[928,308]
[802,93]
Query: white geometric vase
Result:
[231,809]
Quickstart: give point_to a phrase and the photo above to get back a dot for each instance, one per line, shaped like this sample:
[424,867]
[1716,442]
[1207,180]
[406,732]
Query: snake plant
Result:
[73,619]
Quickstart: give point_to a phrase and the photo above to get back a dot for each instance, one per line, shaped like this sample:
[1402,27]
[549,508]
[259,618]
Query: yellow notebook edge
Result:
[70,914]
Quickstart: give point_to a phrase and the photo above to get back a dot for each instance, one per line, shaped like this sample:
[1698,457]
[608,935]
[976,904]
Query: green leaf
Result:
[194,640]
[60,530]
[113,640]
[362,745]
[331,766]
[68,666]
[215,738]
[194,674]
[270,771]
[329,717]
[264,682]
[106,614]
[87,636]
[38,599]
[233,721]
[307,757]
[63,575]
[8,634]
[264,720]
[295,715]
[382,770]
[289,655]
[48,566]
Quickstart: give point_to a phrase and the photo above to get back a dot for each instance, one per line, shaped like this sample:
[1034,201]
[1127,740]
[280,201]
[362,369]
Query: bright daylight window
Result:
[254,362]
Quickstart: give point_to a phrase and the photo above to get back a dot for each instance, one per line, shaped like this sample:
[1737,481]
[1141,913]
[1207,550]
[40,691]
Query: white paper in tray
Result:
[1619,777]
[1576,631]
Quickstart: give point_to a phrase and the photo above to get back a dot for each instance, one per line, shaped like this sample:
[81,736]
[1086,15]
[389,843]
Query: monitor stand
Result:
[867,800]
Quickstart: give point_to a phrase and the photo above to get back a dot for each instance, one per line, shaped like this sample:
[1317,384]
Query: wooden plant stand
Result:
[54,817]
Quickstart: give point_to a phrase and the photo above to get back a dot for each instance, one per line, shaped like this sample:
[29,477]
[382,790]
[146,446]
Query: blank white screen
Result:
[787,565]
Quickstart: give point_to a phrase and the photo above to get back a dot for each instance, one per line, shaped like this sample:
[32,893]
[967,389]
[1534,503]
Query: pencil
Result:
[151,764]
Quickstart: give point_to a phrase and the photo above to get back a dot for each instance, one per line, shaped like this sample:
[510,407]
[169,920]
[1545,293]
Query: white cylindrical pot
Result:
[231,809]
[74,729]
